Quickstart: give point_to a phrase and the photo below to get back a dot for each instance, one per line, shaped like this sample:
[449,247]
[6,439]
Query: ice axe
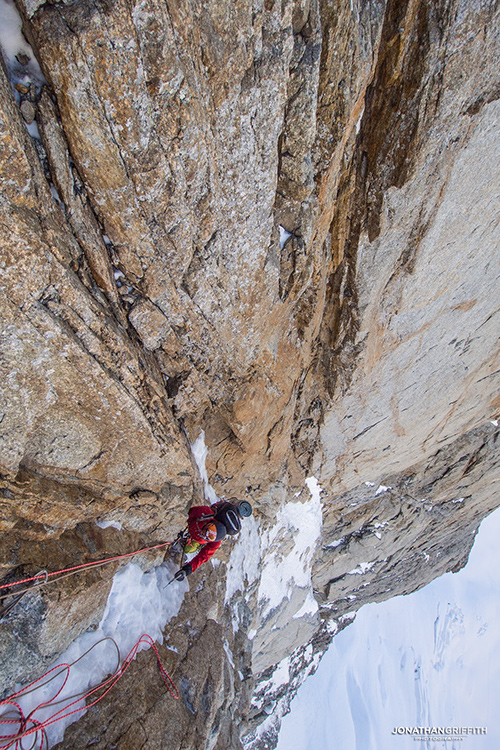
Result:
[179,576]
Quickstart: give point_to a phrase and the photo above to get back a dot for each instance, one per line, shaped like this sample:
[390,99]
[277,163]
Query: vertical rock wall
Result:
[146,295]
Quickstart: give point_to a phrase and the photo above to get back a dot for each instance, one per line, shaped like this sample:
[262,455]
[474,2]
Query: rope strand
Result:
[28,725]
[73,570]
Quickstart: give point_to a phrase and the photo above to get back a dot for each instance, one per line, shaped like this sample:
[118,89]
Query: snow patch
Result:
[267,688]
[109,524]
[200,452]
[314,488]
[361,568]
[348,617]
[382,488]
[336,543]
[302,524]
[281,675]
[284,235]
[13,42]
[310,606]
[332,627]
[20,62]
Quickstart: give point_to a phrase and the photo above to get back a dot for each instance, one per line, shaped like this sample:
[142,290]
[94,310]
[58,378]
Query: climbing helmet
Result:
[214,531]
[210,531]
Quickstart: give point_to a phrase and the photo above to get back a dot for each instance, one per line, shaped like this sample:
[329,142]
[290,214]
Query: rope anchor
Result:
[7,608]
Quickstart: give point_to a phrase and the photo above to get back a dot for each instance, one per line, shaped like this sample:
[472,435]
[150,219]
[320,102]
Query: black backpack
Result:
[229,516]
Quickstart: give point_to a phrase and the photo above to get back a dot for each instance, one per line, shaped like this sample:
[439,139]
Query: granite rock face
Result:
[276,222]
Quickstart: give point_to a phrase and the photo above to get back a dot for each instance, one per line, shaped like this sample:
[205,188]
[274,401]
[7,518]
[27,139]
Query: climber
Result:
[207,526]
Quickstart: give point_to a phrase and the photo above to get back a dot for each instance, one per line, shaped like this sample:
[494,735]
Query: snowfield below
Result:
[429,659]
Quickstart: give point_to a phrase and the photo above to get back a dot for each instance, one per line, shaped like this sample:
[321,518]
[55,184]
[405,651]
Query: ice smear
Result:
[284,235]
[32,129]
[109,524]
[229,653]
[200,451]
[302,522]
[138,604]
[358,124]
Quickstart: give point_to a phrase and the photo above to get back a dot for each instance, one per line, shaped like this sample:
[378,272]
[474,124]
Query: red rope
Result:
[80,567]
[28,725]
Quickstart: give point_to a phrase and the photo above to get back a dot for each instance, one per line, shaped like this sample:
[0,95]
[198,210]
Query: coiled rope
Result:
[21,726]
[65,572]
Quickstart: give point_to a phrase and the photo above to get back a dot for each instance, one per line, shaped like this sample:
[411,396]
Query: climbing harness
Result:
[179,544]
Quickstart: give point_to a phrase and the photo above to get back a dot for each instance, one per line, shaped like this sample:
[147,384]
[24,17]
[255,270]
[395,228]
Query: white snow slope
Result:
[430,659]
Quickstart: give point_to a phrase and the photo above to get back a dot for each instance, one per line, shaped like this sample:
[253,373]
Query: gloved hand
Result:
[186,570]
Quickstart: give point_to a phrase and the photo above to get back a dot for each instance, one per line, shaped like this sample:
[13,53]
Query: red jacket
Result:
[197,518]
